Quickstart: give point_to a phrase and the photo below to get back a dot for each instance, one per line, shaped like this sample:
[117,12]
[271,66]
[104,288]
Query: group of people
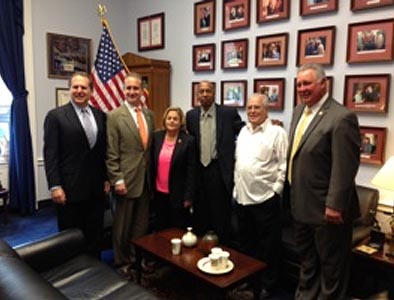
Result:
[212,170]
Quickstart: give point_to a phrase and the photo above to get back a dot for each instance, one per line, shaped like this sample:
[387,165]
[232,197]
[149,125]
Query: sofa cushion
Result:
[84,277]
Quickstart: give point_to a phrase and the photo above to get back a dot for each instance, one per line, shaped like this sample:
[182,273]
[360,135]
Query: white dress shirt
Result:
[260,166]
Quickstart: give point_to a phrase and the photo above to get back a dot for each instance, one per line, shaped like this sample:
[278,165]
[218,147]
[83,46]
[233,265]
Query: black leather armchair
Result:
[368,198]
[57,268]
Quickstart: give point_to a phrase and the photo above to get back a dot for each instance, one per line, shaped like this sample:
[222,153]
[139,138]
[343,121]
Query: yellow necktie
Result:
[142,128]
[297,138]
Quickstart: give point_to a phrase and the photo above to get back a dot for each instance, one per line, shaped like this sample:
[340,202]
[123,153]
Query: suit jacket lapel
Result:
[219,125]
[178,147]
[128,121]
[315,121]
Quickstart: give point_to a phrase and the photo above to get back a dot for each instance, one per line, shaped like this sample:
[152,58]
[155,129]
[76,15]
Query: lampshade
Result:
[385,177]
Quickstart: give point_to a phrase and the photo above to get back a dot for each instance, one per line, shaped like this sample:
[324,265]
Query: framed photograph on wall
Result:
[67,54]
[195,84]
[272,10]
[330,84]
[204,57]
[373,144]
[151,32]
[62,96]
[274,89]
[271,50]
[366,4]
[316,46]
[233,93]
[235,54]
[370,41]
[367,93]
[204,17]
[314,7]
[236,14]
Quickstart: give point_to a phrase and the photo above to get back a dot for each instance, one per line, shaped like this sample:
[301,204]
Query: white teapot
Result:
[189,239]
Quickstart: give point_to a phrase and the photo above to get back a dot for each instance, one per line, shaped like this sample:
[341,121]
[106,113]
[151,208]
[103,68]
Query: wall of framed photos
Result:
[183,38]
[213,36]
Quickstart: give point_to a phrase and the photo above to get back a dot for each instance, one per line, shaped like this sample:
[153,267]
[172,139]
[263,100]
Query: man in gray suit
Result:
[322,164]
[129,133]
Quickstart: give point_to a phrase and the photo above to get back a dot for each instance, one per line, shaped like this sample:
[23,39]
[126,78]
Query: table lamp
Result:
[385,179]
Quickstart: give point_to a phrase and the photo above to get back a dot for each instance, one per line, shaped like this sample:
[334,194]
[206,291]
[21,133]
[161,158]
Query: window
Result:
[5,106]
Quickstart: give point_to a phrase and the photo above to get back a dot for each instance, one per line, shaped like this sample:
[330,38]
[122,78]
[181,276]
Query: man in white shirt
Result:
[260,170]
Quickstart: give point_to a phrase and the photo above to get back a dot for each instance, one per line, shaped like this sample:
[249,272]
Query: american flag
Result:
[108,73]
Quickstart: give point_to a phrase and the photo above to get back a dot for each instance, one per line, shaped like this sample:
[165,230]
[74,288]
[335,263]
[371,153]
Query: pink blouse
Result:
[163,169]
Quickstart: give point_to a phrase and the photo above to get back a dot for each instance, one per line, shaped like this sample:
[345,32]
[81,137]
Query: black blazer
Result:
[228,125]
[182,168]
[69,161]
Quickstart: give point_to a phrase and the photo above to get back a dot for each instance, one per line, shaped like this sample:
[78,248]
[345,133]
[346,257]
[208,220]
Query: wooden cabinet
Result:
[156,78]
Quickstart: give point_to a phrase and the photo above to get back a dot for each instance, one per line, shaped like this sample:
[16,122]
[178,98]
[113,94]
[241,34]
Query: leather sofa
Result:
[57,268]
[368,199]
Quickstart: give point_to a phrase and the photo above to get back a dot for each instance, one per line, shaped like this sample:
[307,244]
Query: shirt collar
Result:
[262,127]
[316,107]
[211,111]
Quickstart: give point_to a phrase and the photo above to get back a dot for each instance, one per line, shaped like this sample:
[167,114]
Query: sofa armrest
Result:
[53,250]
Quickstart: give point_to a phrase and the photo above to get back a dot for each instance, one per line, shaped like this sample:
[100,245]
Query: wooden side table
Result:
[4,195]
[377,267]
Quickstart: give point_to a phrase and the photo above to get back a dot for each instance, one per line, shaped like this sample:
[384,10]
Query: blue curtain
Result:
[21,173]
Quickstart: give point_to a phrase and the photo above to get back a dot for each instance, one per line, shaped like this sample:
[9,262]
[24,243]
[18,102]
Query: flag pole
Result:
[101,11]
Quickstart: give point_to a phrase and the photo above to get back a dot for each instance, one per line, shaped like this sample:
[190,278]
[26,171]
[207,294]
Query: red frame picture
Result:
[367,93]
[272,10]
[271,50]
[370,41]
[233,93]
[274,89]
[235,54]
[236,14]
[307,8]
[195,84]
[356,5]
[204,57]
[316,46]
[204,17]
[373,144]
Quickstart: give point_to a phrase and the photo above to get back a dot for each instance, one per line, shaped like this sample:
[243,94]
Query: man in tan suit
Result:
[129,132]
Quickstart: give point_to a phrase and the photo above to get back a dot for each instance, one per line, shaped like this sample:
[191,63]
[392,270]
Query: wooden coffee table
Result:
[247,269]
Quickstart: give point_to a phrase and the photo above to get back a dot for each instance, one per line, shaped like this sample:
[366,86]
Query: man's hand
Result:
[58,196]
[120,189]
[333,216]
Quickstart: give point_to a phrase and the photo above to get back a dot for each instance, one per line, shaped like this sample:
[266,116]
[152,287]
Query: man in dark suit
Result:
[74,154]
[323,162]
[129,133]
[215,129]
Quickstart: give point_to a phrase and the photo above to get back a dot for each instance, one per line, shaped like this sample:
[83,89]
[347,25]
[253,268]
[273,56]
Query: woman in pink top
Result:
[173,168]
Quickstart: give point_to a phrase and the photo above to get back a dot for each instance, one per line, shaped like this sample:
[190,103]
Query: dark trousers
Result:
[87,216]
[260,235]
[212,207]
[325,253]
[167,214]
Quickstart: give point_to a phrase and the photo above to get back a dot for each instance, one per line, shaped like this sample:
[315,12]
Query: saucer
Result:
[204,264]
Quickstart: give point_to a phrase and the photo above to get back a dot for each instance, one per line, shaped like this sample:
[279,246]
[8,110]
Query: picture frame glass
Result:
[151,32]
[370,41]
[273,89]
[373,144]
[314,7]
[204,57]
[63,96]
[316,46]
[272,10]
[367,4]
[68,54]
[367,93]
[235,54]
[271,50]
[236,14]
[204,17]
[234,93]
